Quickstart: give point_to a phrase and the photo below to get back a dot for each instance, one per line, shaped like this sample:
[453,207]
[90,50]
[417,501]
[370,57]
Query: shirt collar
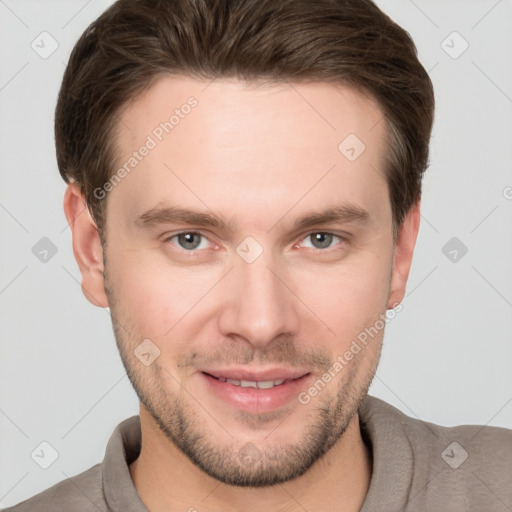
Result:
[392,455]
[122,449]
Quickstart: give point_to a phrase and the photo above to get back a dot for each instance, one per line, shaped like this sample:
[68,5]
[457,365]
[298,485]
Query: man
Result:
[244,184]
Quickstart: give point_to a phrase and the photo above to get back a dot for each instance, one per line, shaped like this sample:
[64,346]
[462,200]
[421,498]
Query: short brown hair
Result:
[134,42]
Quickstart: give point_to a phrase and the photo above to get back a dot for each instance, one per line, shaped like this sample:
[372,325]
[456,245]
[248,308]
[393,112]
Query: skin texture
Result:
[260,156]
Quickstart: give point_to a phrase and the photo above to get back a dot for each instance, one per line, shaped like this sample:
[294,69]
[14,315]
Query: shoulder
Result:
[485,446]
[82,492]
[468,465]
[465,465]
[490,446]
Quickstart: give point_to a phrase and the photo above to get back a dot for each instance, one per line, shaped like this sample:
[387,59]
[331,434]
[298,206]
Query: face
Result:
[247,249]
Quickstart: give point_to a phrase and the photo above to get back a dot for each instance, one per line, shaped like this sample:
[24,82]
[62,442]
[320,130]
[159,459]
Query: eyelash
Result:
[194,251]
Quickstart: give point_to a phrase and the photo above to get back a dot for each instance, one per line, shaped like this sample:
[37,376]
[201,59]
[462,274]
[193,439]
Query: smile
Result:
[255,392]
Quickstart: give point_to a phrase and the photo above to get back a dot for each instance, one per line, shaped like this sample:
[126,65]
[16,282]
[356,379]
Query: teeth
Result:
[248,384]
[267,384]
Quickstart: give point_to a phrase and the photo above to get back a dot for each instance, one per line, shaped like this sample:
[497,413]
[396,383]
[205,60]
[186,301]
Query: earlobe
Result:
[402,259]
[86,246]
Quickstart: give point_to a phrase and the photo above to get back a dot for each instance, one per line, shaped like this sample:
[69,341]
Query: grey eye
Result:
[321,240]
[189,241]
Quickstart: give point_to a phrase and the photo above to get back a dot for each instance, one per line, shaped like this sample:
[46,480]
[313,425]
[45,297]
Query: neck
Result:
[166,480]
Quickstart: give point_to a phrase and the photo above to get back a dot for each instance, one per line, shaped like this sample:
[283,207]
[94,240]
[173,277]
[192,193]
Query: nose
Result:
[258,304]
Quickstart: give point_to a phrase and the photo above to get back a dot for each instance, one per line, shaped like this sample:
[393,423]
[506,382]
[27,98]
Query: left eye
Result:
[189,240]
[321,239]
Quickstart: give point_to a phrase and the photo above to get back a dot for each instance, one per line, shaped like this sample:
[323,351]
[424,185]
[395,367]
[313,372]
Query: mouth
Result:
[256,392]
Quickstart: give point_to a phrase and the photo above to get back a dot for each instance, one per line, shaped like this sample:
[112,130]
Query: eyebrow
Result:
[344,213]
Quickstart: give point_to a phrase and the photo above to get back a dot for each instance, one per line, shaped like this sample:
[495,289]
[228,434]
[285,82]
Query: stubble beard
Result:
[238,463]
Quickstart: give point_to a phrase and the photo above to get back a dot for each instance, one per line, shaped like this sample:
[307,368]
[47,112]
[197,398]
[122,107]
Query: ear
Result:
[86,246]
[402,258]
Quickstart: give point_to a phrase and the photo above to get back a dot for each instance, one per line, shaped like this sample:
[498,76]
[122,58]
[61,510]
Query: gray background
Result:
[447,355]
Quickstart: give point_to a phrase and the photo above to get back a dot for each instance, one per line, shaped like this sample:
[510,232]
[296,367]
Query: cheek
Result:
[153,297]
[349,297]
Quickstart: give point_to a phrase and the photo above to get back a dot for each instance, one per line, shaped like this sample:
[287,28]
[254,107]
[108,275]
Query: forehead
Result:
[326,110]
[254,144]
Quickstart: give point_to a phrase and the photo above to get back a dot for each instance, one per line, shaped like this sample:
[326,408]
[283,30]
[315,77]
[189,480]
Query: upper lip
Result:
[257,375]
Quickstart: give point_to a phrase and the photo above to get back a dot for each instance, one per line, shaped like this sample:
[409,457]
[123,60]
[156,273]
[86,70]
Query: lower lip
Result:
[255,400]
